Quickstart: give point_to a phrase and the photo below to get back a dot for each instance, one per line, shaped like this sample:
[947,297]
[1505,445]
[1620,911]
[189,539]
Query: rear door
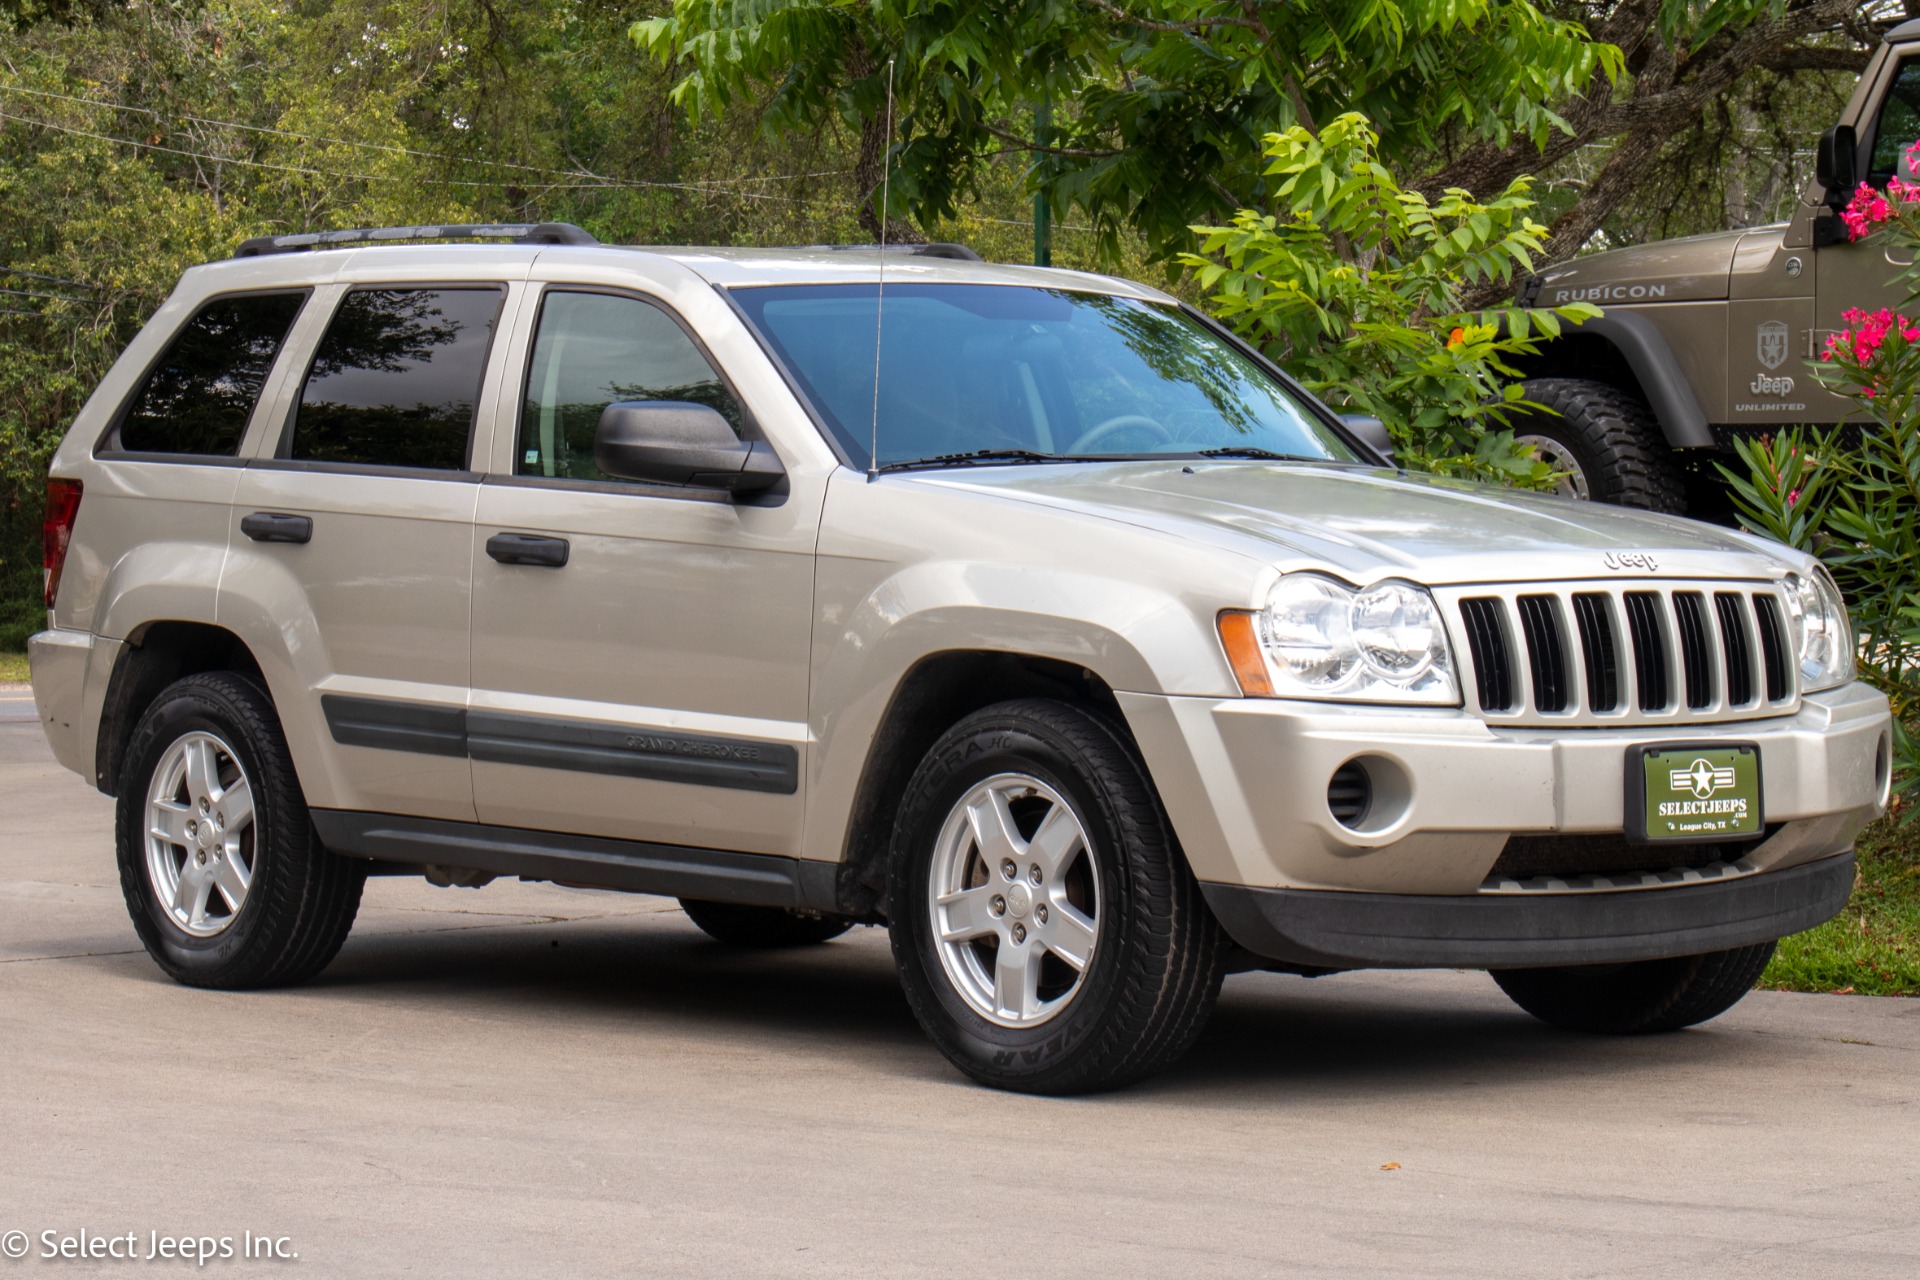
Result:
[352,544]
[645,675]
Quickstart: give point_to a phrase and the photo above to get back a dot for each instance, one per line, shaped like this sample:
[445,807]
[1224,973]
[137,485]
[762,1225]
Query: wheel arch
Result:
[933,695]
[156,654]
[1622,348]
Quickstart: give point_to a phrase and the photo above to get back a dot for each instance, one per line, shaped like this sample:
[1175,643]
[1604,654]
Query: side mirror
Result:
[1372,432]
[676,442]
[1837,165]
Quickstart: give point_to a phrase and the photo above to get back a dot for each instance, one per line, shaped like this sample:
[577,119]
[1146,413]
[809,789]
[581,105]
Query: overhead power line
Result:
[596,179]
[35,275]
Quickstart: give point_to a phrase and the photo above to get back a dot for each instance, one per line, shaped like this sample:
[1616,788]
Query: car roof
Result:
[736,267]
[725,266]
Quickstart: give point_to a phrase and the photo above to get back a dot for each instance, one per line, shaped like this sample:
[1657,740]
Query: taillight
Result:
[63,507]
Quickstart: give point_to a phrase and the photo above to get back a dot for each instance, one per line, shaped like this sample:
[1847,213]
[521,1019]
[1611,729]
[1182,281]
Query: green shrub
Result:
[1356,289]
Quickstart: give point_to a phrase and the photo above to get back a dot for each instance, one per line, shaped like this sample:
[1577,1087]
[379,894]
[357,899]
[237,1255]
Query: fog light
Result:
[1350,794]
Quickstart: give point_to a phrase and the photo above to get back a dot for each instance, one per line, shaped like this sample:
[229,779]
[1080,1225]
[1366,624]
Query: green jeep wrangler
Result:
[1708,337]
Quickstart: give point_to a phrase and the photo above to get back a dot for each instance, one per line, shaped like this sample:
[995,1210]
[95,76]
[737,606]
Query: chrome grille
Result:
[1604,654]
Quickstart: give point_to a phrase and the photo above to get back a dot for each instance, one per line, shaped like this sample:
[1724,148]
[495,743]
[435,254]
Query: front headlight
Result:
[1822,632]
[1318,638]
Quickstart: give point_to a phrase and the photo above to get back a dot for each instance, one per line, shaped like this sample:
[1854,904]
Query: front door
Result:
[640,653]
[1863,275]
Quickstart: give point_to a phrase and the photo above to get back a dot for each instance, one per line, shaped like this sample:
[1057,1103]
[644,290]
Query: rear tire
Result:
[1641,998]
[1605,439]
[740,926]
[224,876]
[1049,934]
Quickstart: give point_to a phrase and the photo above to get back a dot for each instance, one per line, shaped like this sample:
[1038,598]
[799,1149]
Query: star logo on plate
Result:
[1701,778]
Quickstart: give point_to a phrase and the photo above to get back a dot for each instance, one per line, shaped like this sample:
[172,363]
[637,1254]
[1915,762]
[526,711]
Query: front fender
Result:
[1135,607]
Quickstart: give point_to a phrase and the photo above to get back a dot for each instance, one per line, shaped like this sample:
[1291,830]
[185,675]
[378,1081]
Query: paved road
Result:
[525,1080]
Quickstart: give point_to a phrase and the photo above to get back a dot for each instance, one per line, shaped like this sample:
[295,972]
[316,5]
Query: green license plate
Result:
[1682,792]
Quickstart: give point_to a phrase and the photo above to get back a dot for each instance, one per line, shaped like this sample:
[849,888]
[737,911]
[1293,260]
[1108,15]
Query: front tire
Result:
[224,877]
[1638,999]
[1605,441]
[1049,935]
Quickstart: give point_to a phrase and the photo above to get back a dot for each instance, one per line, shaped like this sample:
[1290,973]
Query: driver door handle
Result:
[528,548]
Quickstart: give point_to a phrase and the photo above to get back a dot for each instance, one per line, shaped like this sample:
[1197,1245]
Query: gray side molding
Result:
[1668,392]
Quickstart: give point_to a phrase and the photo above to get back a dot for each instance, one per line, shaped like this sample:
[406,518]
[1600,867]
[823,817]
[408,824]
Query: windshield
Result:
[966,368]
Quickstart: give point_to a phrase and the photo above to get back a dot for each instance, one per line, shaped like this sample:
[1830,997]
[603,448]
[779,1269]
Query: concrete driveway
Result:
[530,1081]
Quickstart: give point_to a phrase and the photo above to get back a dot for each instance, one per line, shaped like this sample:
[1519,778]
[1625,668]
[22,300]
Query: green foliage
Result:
[140,138]
[1873,947]
[1357,291]
[1159,107]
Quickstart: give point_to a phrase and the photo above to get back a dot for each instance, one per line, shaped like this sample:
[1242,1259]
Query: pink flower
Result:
[1793,497]
[1867,209]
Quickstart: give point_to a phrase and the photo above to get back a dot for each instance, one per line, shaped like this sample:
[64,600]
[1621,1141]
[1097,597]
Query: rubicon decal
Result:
[1611,293]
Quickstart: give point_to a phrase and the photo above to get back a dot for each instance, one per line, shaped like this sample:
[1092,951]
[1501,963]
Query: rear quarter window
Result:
[198,396]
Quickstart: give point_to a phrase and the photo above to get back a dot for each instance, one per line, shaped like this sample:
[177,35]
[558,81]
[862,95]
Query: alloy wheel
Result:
[1015,900]
[200,834]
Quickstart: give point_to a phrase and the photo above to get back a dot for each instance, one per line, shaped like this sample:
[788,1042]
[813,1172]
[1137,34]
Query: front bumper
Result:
[1245,781]
[1319,929]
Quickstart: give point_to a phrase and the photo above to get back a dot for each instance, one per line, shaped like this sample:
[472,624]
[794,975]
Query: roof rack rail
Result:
[524,232]
[938,249]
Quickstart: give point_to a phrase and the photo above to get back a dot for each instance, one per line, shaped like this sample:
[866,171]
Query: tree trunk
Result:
[869,165]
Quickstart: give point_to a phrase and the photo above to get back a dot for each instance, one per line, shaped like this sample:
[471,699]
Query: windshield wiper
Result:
[979,455]
[1253,451]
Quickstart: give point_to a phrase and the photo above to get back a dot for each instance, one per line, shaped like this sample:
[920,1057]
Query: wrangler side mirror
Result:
[678,442]
[1837,164]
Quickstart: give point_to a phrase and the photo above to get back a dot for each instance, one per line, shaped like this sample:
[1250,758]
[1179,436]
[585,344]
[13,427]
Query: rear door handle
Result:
[272,526]
[528,548]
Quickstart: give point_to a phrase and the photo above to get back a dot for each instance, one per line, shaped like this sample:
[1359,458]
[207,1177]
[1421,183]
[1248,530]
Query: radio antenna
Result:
[880,292]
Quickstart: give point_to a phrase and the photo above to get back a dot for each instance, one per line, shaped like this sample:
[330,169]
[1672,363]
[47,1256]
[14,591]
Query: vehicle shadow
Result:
[1364,1034]
[1349,1035]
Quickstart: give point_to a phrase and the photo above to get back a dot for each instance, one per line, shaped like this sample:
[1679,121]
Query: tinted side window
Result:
[396,379]
[590,350]
[1898,126]
[199,397]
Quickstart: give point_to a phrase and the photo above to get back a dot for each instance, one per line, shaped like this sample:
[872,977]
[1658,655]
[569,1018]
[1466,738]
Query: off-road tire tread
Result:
[737,925]
[1618,430]
[306,904]
[1176,953]
[1641,999]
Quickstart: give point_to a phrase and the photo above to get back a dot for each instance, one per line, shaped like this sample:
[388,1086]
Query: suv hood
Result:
[1694,269]
[1367,524]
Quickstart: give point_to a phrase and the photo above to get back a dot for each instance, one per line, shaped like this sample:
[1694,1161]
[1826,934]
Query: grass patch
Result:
[13,667]
[1873,947]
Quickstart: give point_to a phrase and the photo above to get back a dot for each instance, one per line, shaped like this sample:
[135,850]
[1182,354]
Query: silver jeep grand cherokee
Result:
[1024,611]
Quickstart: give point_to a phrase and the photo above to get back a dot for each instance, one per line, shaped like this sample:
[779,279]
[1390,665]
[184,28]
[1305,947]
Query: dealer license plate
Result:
[1682,792]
